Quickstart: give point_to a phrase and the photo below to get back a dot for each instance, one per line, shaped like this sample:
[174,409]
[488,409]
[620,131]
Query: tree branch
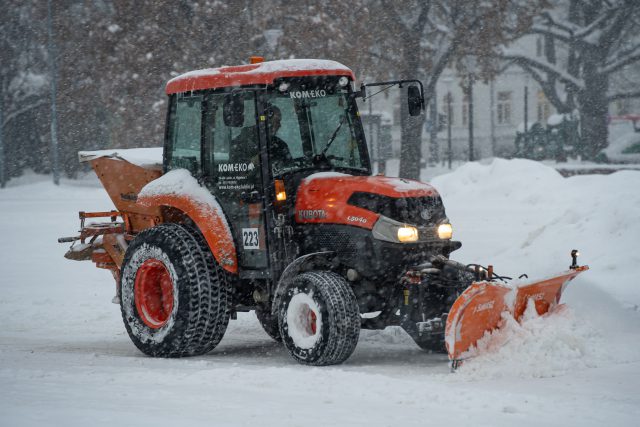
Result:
[620,63]
[625,95]
[22,110]
[551,69]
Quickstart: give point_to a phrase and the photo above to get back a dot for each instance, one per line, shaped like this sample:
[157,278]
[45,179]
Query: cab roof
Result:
[255,74]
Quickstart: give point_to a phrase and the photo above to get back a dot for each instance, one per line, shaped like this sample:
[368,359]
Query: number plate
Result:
[250,238]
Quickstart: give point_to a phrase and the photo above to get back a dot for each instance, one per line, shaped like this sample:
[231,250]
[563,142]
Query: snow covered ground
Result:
[65,358]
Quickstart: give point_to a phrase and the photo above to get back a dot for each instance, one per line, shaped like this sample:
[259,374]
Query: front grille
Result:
[332,239]
[412,210]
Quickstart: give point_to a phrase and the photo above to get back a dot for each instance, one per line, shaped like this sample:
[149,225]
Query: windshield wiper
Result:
[333,136]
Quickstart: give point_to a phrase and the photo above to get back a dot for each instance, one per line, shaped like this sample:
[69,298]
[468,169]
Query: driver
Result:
[279,150]
[244,146]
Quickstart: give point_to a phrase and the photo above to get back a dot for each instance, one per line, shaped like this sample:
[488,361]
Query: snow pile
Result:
[538,347]
[523,217]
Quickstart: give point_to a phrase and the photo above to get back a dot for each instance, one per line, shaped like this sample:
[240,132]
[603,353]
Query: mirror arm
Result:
[363,87]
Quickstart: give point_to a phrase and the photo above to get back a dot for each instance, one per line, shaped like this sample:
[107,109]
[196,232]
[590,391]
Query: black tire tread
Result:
[206,315]
[344,321]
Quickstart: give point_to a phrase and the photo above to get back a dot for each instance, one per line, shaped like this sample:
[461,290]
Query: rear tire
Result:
[174,296]
[319,318]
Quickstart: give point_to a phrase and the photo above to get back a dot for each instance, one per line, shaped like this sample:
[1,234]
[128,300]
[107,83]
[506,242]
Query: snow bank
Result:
[523,217]
[538,347]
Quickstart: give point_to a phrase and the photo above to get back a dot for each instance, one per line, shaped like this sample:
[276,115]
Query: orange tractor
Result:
[264,199]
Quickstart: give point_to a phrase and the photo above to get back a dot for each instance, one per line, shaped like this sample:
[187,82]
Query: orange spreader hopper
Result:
[479,308]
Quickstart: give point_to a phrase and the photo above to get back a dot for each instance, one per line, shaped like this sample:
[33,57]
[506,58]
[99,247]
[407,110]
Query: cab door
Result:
[232,173]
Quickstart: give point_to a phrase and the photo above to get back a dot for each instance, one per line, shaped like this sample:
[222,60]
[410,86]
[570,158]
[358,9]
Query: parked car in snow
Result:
[624,134]
[625,149]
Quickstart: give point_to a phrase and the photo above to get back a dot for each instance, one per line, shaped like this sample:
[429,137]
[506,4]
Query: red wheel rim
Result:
[312,321]
[153,293]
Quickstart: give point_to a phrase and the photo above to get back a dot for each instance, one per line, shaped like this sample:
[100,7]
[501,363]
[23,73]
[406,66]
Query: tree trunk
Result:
[410,127]
[594,109]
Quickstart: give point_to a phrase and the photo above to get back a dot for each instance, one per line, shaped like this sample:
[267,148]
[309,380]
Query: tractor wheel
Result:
[269,323]
[174,296]
[319,318]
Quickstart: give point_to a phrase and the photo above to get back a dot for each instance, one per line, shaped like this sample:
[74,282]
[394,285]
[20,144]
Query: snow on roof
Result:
[260,73]
[144,157]
[298,65]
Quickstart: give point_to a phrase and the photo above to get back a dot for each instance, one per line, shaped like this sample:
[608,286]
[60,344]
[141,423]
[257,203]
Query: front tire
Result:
[319,318]
[174,296]
[269,323]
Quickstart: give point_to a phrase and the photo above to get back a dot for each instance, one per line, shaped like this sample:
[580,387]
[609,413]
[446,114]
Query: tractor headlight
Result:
[393,231]
[407,234]
[445,231]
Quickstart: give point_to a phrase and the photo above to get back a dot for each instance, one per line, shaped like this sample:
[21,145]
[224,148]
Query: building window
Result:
[544,108]
[622,106]
[504,108]
[445,109]
[465,110]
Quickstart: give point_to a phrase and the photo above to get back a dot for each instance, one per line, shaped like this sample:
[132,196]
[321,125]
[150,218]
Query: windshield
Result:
[315,128]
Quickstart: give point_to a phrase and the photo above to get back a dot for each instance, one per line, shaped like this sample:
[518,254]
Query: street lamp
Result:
[447,81]
[469,63]
[54,115]
[526,105]
[272,38]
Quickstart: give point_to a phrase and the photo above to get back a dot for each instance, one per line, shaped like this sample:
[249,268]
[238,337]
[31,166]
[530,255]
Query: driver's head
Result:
[274,117]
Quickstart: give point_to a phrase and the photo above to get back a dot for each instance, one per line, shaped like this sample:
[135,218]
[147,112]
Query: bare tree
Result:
[433,34]
[598,38]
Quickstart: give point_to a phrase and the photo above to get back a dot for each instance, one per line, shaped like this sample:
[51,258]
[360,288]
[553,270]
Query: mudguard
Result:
[479,308]
[210,220]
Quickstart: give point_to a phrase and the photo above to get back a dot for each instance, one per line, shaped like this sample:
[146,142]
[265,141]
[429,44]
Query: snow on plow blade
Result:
[479,308]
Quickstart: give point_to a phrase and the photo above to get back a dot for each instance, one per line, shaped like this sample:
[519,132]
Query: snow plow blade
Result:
[479,308]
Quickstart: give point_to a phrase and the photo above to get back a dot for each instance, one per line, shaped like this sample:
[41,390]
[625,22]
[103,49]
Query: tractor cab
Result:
[252,133]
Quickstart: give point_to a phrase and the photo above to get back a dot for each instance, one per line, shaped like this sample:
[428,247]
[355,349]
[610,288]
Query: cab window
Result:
[231,152]
[185,134]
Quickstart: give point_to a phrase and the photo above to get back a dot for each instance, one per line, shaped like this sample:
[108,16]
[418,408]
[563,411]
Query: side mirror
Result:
[233,110]
[415,100]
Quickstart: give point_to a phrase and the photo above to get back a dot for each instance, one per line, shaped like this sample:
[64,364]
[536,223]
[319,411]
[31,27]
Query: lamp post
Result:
[272,39]
[469,62]
[2,163]
[447,81]
[471,119]
[54,116]
[433,133]
[526,106]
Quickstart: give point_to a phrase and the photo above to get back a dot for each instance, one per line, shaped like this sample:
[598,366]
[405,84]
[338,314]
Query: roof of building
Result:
[255,74]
